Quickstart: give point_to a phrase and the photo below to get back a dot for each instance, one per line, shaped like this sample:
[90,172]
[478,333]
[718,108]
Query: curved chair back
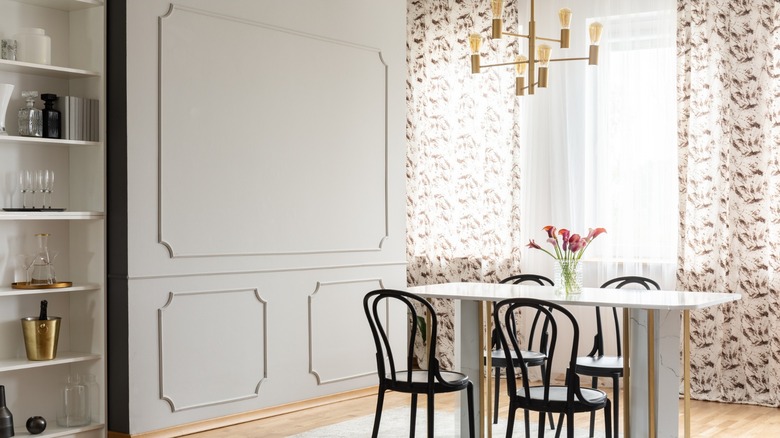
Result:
[617,283]
[510,309]
[541,281]
[376,304]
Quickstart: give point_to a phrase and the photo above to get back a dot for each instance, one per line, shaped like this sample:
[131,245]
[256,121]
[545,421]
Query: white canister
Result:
[33,45]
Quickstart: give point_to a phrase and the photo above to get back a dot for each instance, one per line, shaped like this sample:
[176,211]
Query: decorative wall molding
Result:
[262,271]
[338,328]
[226,150]
[187,338]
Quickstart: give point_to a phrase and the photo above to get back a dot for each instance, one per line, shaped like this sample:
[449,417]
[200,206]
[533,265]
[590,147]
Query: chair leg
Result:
[595,381]
[570,424]
[496,391]
[510,422]
[560,425]
[413,422]
[380,398]
[541,424]
[549,414]
[430,415]
[527,418]
[470,393]
[608,421]
[616,405]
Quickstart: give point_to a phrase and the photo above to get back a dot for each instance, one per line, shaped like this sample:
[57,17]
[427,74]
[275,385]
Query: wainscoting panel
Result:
[284,153]
[339,335]
[201,363]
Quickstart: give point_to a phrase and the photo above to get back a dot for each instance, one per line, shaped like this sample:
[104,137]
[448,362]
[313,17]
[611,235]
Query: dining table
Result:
[657,323]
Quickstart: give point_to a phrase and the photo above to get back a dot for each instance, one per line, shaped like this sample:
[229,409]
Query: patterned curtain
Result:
[463,151]
[729,150]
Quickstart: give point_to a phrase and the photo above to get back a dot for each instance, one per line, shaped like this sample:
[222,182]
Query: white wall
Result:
[265,197]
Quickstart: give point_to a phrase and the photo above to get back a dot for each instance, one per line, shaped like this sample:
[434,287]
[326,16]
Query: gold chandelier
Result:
[540,54]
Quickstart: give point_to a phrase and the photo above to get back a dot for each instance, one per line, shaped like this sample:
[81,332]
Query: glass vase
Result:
[568,277]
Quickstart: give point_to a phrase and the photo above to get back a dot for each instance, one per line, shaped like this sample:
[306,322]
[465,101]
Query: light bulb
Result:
[522,64]
[565,16]
[520,67]
[543,53]
[497,24]
[595,30]
[475,40]
[497,6]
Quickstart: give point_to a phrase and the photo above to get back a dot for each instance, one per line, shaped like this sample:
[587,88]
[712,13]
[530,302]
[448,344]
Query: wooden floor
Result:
[708,419]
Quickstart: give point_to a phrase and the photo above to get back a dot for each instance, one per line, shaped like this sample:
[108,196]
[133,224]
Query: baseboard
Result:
[229,420]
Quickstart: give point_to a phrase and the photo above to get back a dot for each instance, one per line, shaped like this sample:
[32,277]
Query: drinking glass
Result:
[26,186]
[46,180]
[38,186]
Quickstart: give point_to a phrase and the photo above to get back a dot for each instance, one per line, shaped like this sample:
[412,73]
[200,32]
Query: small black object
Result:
[36,425]
[43,316]
[51,117]
[6,417]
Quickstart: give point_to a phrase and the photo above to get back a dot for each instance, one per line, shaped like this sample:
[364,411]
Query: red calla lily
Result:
[571,246]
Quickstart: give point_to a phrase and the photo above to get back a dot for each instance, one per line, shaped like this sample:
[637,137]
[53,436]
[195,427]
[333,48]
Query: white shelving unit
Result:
[46,70]
[47,141]
[77,30]
[50,215]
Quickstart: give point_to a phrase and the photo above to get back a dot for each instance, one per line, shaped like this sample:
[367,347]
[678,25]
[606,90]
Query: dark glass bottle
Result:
[6,418]
[51,117]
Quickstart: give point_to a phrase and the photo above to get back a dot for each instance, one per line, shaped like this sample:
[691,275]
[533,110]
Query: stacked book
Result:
[78,118]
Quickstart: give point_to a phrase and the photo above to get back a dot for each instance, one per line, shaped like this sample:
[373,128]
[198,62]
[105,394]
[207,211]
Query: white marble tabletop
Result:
[625,298]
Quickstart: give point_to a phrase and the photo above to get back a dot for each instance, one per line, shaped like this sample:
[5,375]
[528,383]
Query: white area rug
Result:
[395,424]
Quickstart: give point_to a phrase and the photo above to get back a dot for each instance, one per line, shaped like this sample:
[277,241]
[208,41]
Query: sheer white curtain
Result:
[601,147]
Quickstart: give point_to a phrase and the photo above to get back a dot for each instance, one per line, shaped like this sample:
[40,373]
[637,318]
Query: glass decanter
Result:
[41,267]
[30,118]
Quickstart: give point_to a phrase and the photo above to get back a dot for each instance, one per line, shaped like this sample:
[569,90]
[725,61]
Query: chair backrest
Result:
[617,283]
[376,305]
[541,281]
[510,309]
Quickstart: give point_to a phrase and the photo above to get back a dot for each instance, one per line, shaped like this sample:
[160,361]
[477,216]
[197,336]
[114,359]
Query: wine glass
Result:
[46,179]
[26,186]
[38,186]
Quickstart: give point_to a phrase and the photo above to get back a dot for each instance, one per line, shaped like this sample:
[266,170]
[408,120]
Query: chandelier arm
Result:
[569,59]
[514,34]
[548,39]
[505,63]
[536,84]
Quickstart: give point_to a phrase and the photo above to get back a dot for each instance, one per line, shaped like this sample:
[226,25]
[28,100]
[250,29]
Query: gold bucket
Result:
[40,337]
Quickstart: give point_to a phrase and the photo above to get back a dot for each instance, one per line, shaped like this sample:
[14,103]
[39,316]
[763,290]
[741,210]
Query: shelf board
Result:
[49,141]
[51,71]
[63,357]
[8,291]
[64,5]
[54,430]
[50,215]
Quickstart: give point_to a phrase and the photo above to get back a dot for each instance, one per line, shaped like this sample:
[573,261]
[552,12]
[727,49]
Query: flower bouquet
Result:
[567,252]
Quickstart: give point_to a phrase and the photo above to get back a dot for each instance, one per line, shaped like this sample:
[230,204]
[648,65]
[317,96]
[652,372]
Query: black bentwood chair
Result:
[596,364]
[414,381]
[532,356]
[566,399]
